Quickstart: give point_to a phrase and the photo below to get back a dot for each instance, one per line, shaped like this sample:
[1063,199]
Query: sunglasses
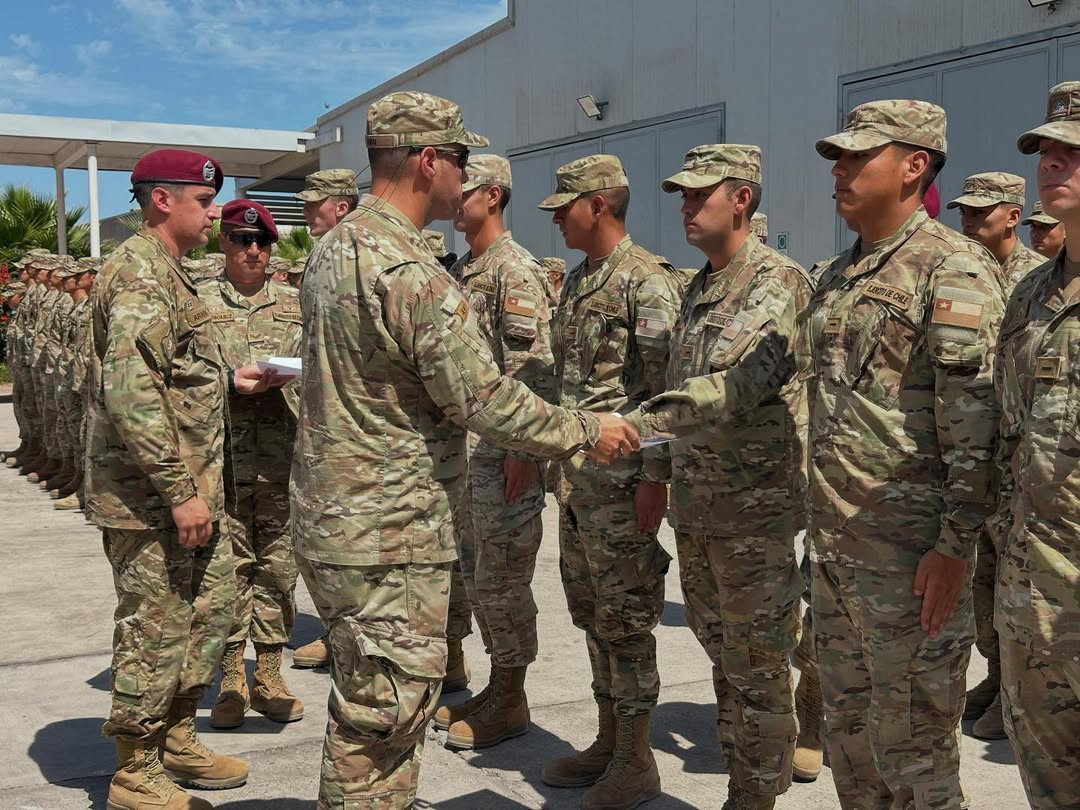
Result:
[246,238]
[459,156]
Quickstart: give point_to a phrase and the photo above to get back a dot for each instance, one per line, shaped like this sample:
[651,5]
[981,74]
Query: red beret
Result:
[248,214]
[178,166]
[932,201]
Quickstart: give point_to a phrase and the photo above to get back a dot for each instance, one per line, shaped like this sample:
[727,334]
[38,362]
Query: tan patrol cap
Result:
[876,123]
[328,183]
[298,267]
[713,163]
[553,264]
[12,288]
[89,264]
[759,225]
[1038,215]
[38,258]
[991,188]
[410,118]
[277,265]
[486,170]
[592,173]
[436,241]
[67,267]
[1062,119]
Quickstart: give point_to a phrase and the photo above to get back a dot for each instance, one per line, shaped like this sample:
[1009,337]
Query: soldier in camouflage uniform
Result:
[730,319]
[1047,234]
[48,461]
[902,429]
[328,196]
[295,276]
[53,373]
[155,443]
[1037,373]
[500,514]
[389,341]
[610,337]
[733,405]
[39,263]
[277,268]
[990,209]
[759,224]
[15,331]
[255,318]
[556,273]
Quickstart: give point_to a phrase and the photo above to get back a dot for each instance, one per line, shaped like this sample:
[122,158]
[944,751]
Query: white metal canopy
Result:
[93,144]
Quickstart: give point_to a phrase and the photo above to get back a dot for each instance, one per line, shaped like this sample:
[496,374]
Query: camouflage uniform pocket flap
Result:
[416,655]
[288,314]
[955,334]
[188,407]
[735,337]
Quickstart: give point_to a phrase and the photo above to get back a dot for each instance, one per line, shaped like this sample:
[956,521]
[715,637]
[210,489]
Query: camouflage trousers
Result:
[805,655]
[613,577]
[498,560]
[742,602]
[387,629]
[892,695]
[982,595]
[174,607]
[70,419]
[27,405]
[460,615]
[19,393]
[47,401]
[256,522]
[1041,708]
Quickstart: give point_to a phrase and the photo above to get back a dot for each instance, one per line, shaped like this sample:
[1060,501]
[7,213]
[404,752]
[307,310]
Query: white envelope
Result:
[284,366]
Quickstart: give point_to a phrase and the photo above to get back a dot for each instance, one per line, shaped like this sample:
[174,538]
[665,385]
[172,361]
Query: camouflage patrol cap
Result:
[328,183]
[13,287]
[277,265]
[759,224]
[1038,215]
[553,264]
[1062,119]
[89,264]
[298,267]
[991,188]
[486,170]
[66,267]
[436,241]
[713,163]
[876,123]
[410,118]
[592,173]
[33,257]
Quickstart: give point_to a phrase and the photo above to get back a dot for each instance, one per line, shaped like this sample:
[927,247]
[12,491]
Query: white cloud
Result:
[27,84]
[24,42]
[89,53]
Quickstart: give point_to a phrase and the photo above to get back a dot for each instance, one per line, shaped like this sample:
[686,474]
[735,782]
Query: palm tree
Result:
[133,221]
[296,244]
[28,220]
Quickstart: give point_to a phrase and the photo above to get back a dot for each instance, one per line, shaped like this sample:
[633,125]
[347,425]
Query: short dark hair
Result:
[618,201]
[504,198]
[733,184]
[351,200]
[937,163]
[387,161]
[142,192]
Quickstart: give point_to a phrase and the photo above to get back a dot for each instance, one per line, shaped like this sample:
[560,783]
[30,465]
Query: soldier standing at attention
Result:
[734,403]
[328,196]
[1037,375]
[903,426]
[396,372]
[44,390]
[39,262]
[611,334]
[556,272]
[255,318]
[1047,234]
[759,224]
[154,486]
[990,211]
[501,510]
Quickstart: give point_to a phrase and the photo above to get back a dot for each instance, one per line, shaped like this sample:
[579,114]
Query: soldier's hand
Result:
[193,522]
[617,438]
[250,380]
[939,580]
[650,504]
[520,476]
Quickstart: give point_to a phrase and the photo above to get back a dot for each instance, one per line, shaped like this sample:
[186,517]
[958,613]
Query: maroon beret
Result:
[178,166]
[248,214]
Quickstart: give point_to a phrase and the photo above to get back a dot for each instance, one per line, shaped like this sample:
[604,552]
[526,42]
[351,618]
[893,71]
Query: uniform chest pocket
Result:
[727,339]
[1054,366]
[602,341]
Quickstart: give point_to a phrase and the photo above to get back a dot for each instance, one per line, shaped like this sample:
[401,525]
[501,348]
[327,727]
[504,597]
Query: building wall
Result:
[774,64]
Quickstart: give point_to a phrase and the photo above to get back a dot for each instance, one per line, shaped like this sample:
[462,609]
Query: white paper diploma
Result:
[285,366]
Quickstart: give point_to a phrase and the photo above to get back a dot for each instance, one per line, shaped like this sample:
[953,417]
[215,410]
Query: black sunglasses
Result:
[459,156]
[246,238]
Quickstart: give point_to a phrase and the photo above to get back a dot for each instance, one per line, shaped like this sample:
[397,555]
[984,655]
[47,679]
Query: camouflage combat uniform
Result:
[155,437]
[509,298]
[395,372]
[610,335]
[903,425]
[734,403]
[1037,373]
[261,433]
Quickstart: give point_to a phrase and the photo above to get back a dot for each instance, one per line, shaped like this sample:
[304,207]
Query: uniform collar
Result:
[879,252]
[592,280]
[719,282]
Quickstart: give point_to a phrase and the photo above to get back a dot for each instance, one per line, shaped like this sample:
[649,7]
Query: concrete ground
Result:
[57,602]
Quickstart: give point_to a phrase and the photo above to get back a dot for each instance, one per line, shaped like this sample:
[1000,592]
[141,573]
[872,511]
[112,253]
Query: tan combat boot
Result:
[991,726]
[983,694]
[503,715]
[189,762]
[233,699]
[315,654]
[740,799]
[457,668]
[70,503]
[632,777]
[586,767]
[446,716]
[809,754]
[269,693]
[140,783]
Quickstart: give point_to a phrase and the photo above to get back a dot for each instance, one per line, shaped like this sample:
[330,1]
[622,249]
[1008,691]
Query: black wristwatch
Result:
[231,377]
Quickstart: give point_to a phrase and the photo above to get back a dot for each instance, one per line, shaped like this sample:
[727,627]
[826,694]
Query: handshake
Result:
[617,438]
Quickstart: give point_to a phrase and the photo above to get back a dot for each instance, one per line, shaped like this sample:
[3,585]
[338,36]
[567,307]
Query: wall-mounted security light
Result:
[1050,4]
[591,107]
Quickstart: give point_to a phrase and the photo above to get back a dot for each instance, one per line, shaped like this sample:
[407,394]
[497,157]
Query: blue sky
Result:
[274,64]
